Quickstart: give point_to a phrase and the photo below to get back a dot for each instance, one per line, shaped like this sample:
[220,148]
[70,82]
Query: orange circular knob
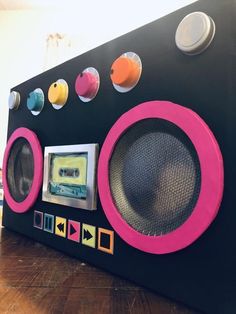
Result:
[125,72]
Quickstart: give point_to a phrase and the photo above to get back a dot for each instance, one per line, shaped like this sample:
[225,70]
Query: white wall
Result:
[90,23]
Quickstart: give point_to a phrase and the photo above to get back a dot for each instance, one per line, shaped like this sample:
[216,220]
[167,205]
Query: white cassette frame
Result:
[90,203]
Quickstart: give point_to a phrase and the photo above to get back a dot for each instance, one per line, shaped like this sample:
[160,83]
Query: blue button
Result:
[48,223]
[35,100]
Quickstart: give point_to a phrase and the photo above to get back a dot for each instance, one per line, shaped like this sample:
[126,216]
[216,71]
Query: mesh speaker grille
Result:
[155,177]
[20,170]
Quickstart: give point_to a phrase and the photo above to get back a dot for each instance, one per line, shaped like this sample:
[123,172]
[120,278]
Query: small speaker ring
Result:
[22,170]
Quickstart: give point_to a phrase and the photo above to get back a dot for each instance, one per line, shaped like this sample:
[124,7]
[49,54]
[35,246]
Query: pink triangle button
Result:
[73,230]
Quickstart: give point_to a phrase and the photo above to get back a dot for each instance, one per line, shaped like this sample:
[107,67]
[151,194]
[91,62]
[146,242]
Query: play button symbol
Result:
[73,230]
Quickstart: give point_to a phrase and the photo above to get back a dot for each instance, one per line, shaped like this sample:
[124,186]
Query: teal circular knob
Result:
[35,101]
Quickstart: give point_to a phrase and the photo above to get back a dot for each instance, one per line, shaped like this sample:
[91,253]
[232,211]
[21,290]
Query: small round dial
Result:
[35,101]
[126,71]
[58,93]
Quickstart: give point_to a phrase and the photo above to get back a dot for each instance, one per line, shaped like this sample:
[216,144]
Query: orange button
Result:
[125,72]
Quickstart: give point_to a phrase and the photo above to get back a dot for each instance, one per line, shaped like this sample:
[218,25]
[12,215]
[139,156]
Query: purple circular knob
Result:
[86,85]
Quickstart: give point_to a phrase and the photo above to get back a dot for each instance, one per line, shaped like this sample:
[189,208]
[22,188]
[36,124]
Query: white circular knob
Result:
[195,33]
[13,100]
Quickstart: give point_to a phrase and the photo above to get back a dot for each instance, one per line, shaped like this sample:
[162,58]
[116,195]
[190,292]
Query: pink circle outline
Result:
[212,177]
[22,207]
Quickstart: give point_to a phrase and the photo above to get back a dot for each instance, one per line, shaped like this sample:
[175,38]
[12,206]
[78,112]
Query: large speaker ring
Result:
[33,145]
[211,168]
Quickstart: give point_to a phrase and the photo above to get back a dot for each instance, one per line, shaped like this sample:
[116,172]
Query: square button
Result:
[73,232]
[106,240]
[60,226]
[38,219]
[48,223]
[89,235]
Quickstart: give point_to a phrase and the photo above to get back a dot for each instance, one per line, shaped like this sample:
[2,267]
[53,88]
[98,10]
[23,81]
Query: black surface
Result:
[204,274]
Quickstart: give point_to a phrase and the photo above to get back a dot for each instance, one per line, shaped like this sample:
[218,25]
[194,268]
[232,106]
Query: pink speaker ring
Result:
[87,84]
[207,178]
[21,191]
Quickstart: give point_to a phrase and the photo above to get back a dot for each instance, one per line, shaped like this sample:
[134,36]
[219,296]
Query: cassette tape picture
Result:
[69,175]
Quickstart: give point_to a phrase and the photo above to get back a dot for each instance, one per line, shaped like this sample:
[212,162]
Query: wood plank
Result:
[34,278]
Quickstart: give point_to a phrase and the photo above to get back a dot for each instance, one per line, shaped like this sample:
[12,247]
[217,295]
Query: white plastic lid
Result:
[195,33]
[13,100]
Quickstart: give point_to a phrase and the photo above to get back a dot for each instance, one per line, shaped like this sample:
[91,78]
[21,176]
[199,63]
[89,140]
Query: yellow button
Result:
[58,93]
[60,227]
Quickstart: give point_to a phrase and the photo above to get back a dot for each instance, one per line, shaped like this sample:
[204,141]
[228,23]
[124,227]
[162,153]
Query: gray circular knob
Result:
[13,100]
[195,33]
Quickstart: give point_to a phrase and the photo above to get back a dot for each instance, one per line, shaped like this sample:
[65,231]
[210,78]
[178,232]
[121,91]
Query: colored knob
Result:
[35,100]
[86,85]
[125,72]
[58,93]
[195,33]
[13,100]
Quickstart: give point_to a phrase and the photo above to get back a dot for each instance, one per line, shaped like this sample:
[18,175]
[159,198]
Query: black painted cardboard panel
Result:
[203,275]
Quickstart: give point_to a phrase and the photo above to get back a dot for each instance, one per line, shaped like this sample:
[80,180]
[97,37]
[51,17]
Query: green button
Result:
[89,235]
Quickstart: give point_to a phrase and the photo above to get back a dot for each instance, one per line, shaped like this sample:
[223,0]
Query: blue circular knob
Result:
[35,100]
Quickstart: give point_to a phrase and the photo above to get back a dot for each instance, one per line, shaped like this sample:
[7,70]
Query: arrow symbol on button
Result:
[87,235]
[61,227]
[72,230]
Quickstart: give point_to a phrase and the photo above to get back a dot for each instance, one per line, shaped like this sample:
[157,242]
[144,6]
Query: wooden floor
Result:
[36,279]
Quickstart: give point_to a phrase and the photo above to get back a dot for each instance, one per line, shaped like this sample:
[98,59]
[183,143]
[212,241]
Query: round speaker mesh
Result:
[20,169]
[155,176]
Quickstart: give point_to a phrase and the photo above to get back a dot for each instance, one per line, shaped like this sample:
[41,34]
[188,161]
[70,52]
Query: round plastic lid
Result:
[124,71]
[35,100]
[86,85]
[58,93]
[13,100]
[195,33]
